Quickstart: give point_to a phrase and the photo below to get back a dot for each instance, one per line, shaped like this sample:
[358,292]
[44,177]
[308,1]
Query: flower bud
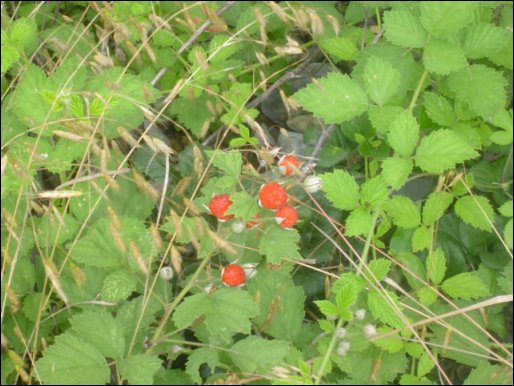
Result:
[238,226]
[312,184]
[166,273]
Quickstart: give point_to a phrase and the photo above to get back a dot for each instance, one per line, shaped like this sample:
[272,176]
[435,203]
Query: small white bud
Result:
[340,332]
[238,226]
[369,330]
[166,273]
[343,348]
[312,184]
[208,287]
[360,314]
[250,270]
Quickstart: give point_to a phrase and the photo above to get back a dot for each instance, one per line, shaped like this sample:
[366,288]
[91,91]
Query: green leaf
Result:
[442,150]
[436,266]
[254,354]
[102,331]
[439,109]
[118,285]
[10,55]
[488,374]
[191,309]
[359,222]
[404,133]
[484,40]
[414,266]
[278,242]
[327,308]
[426,296]
[380,268]
[243,206]
[145,309]
[465,286]
[193,114]
[374,191]
[395,171]
[197,358]
[475,211]
[237,97]
[281,304]
[404,29]
[72,361]
[421,239]
[481,87]
[382,309]
[139,369]
[23,33]
[341,189]
[335,98]
[442,57]
[442,18]
[382,117]
[425,364]
[403,211]
[391,343]
[381,80]
[228,161]
[506,209]
[507,233]
[346,297]
[339,47]
[435,206]
[505,280]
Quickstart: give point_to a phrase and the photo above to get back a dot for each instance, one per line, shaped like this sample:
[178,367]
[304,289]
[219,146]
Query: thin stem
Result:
[328,353]
[418,90]
[365,250]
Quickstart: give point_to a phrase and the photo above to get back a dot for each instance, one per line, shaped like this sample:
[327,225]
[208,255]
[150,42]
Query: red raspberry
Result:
[233,275]
[287,164]
[219,205]
[286,217]
[272,196]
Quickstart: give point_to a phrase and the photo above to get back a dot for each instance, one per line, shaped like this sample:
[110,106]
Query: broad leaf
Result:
[435,206]
[341,189]
[436,266]
[404,29]
[139,369]
[395,171]
[465,286]
[403,211]
[442,57]
[381,80]
[278,242]
[254,354]
[475,211]
[404,133]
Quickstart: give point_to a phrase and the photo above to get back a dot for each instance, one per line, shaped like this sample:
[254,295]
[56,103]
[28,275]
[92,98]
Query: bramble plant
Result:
[257,192]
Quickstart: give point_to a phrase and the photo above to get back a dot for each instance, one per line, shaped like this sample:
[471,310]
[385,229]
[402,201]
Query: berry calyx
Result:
[272,196]
[233,275]
[219,205]
[286,217]
[252,224]
[288,164]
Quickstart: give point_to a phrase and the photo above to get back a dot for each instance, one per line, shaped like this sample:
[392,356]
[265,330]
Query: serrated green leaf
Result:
[145,309]
[228,161]
[442,18]
[346,297]
[193,114]
[359,222]
[505,282]
[191,309]
[506,209]
[278,242]
[102,331]
[421,239]
[404,133]
[254,354]
[72,361]
[442,57]
[403,211]
[488,374]
[335,98]
[339,47]
[415,268]
[436,266]
[243,206]
[427,296]
[484,40]
[23,33]
[481,87]
[435,206]
[382,117]
[139,369]
[395,171]
[10,55]
[439,109]
[507,233]
[465,286]
[391,343]
[380,268]
[381,80]
[425,364]
[327,308]
[197,358]
[442,150]
[341,189]
[374,191]
[475,211]
[404,29]
[118,285]
[382,309]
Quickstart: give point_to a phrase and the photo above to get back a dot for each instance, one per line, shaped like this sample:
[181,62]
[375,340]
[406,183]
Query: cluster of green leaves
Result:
[419,165]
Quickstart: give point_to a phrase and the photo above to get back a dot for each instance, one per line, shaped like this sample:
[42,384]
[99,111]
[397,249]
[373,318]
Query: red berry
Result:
[219,205]
[286,217]
[288,163]
[233,275]
[272,196]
